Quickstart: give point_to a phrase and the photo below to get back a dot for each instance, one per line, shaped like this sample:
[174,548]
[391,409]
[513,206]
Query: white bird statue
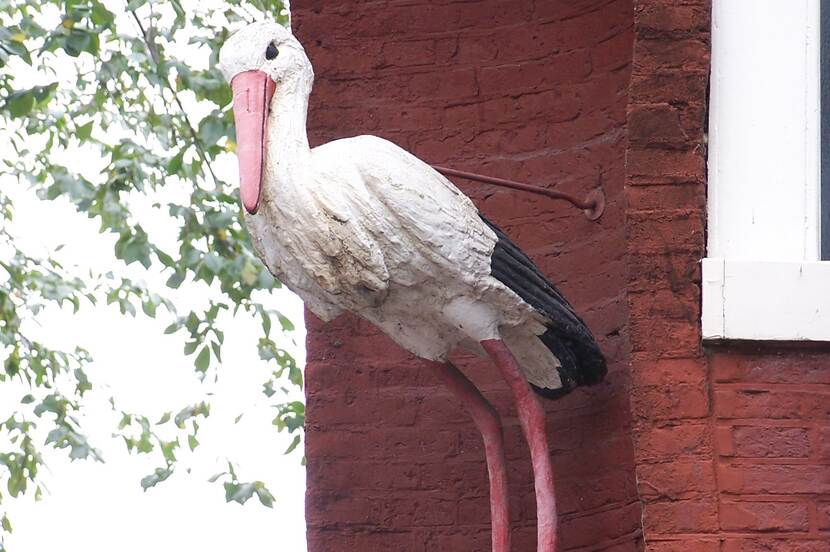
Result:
[361,225]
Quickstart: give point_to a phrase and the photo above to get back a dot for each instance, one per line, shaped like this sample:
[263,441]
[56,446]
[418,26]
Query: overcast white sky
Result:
[92,507]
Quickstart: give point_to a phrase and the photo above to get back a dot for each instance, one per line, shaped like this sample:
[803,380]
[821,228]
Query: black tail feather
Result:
[567,337]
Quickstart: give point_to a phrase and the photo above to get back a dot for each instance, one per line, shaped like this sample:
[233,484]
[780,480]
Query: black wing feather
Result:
[567,336]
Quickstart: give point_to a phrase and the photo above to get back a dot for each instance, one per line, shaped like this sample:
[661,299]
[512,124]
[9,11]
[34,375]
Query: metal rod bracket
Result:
[593,205]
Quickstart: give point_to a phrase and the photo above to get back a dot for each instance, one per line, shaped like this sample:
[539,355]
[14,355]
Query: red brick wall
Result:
[729,444]
[665,193]
[730,441]
[532,90]
[771,414]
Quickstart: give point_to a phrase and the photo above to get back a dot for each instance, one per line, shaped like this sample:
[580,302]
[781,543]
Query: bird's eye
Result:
[271,52]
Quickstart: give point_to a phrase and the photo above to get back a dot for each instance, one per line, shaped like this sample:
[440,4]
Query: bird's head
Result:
[259,60]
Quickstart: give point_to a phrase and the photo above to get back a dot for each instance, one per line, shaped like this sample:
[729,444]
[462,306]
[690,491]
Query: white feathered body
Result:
[362,225]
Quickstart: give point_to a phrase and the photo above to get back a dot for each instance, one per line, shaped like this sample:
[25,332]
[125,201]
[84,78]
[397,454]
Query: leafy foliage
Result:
[134,85]
[241,492]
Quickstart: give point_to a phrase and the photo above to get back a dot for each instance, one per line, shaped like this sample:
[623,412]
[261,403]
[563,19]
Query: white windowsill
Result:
[766,301]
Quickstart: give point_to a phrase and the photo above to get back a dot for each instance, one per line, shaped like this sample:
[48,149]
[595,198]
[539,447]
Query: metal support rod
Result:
[593,205]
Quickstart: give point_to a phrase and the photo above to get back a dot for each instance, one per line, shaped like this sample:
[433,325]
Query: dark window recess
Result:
[825,130]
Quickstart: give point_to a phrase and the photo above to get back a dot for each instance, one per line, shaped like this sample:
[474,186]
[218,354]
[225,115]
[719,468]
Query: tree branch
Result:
[151,47]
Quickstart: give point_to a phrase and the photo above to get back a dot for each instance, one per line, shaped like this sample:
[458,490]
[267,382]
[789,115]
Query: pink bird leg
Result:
[532,418]
[488,423]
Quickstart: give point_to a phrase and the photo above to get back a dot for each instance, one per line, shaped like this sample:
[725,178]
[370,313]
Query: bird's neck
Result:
[288,148]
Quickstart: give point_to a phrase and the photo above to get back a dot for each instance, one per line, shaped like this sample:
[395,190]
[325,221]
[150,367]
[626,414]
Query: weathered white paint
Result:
[712,308]
[762,279]
[362,225]
[764,136]
[744,300]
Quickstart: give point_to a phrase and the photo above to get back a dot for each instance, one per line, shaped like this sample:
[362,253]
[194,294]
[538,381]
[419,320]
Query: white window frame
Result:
[762,277]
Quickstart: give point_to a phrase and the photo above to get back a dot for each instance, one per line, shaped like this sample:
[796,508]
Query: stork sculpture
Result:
[361,225]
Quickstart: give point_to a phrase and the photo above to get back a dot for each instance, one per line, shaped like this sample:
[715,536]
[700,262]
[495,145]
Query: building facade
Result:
[690,444]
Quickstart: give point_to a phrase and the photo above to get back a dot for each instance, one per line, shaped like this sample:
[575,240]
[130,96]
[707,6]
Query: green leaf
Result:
[213,262]
[176,280]
[286,324]
[126,420]
[239,492]
[266,323]
[166,259]
[16,483]
[20,104]
[84,131]
[79,40]
[201,409]
[159,475]
[149,308]
[134,248]
[168,450]
[82,381]
[101,15]
[180,13]
[43,94]
[203,360]
[175,163]
[212,129]
[6,524]
[190,347]
[265,496]
[144,445]
[293,445]
[295,376]
[16,48]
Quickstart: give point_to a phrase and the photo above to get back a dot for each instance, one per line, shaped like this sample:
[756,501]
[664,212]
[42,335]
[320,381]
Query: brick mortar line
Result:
[744,461]
[819,387]
[805,536]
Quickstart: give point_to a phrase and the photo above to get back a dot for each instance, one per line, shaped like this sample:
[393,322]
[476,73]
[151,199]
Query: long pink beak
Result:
[252,93]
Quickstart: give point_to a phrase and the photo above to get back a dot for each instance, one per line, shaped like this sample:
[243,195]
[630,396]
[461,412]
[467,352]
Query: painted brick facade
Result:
[520,89]
[730,441]
[684,448]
